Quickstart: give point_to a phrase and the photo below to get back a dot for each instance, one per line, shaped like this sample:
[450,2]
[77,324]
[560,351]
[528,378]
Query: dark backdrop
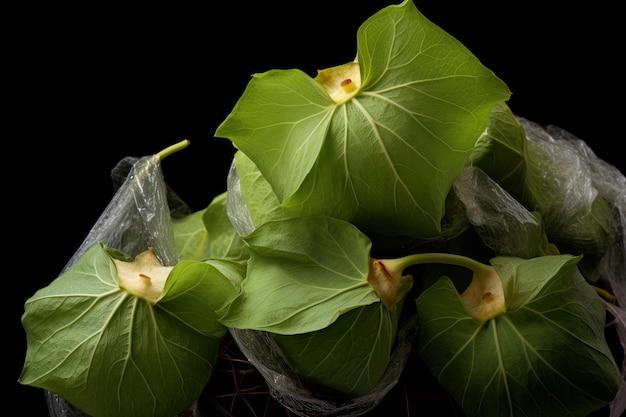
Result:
[94,83]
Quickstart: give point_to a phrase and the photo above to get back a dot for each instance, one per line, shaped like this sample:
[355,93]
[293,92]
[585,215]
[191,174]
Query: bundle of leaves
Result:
[390,205]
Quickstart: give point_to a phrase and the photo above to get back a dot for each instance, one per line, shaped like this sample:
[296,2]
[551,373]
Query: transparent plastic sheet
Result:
[265,355]
[569,175]
[137,217]
[575,180]
[593,176]
[501,221]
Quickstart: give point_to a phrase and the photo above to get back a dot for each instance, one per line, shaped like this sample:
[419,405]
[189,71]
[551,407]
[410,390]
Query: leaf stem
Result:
[173,149]
[398,265]
[605,294]
[483,298]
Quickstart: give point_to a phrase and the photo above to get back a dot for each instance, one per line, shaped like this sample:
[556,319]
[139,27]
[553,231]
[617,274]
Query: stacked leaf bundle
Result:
[391,203]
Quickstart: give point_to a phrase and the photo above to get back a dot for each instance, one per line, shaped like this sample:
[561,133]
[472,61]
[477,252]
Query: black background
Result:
[90,85]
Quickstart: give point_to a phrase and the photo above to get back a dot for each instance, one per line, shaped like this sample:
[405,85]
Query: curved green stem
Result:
[399,264]
[173,149]
[605,294]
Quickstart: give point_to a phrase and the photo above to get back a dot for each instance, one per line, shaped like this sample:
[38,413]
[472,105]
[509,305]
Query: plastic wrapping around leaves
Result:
[263,352]
[138,216]
[491,210]
[581,198]
[595,177]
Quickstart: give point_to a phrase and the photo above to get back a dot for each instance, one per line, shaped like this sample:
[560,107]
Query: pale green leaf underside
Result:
[349,356]
[501,151]
[302,274]
[386,158]
[190,236]
[261,203]
[545,357]
[280,121]
[224,242]
[208,234]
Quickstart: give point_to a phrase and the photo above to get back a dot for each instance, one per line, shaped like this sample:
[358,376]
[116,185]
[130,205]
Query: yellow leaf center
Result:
[484,297]
[341,82]
[144,277]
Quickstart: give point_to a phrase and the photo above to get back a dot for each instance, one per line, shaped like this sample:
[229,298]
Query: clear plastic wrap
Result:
[137,217]
[503,223]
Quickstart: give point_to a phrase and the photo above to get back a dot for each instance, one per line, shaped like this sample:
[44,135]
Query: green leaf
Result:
[349,356]
[546,356]
[384,157]
[288,111]
[501,151]
[190,236]
[224,242]
[111,353]
[195,291]
[259,200]
[302,275]
[208,234]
